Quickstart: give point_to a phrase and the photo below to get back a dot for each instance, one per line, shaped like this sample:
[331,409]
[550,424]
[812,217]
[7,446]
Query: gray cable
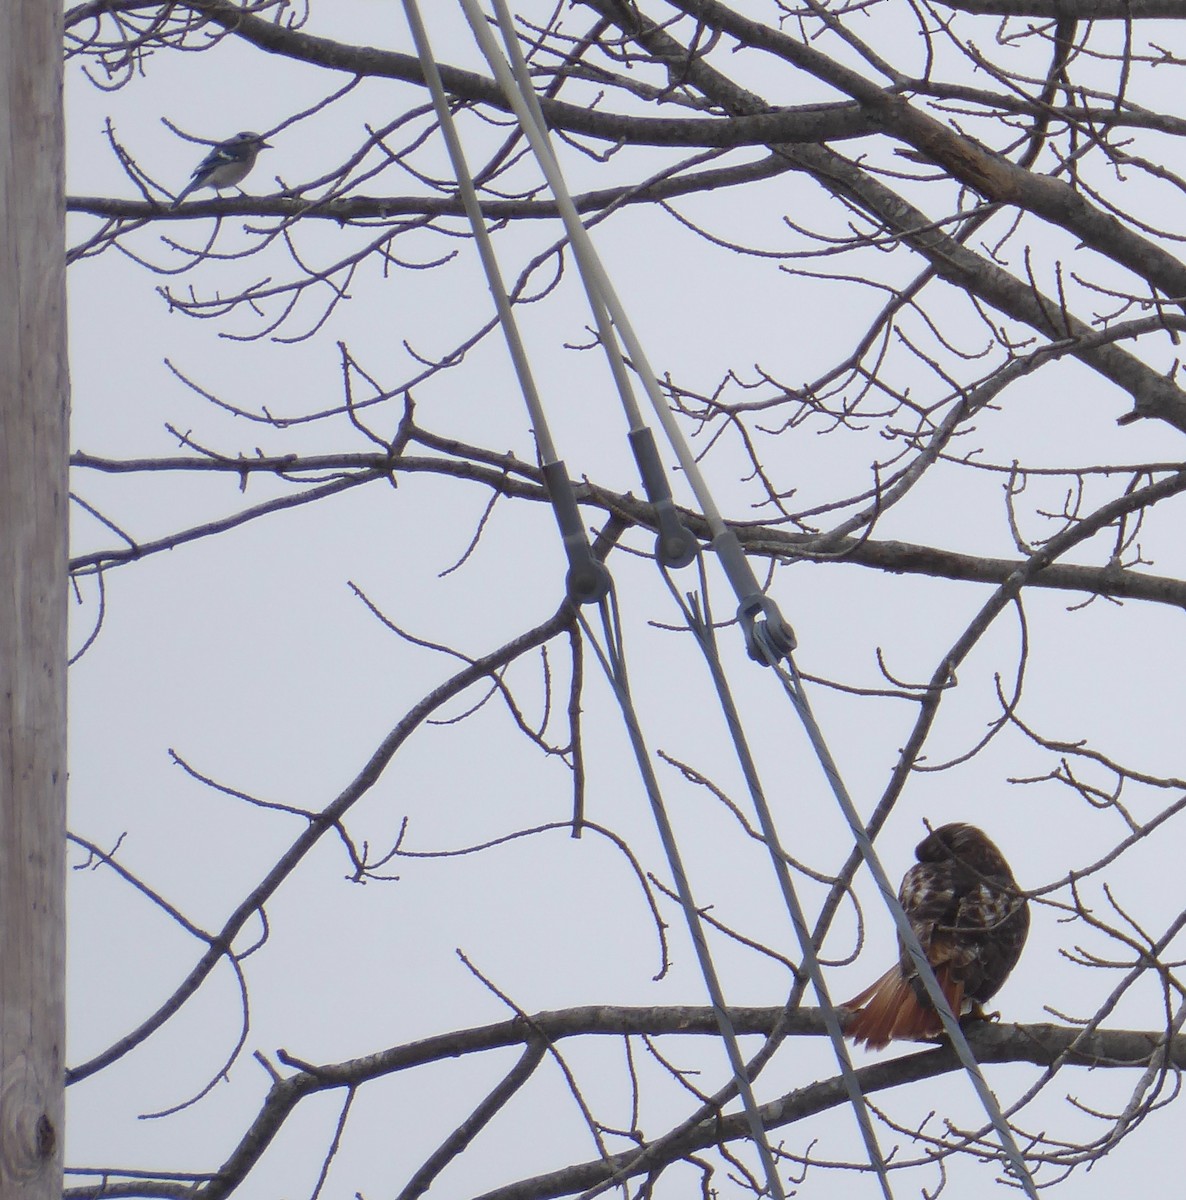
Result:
[469,198]
[700,623]
[588,580]
[613,663]
[793,686]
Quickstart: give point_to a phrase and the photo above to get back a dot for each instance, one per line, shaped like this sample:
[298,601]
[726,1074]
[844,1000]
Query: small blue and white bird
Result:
[225,165]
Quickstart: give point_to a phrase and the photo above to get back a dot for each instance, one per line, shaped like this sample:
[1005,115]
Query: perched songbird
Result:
[226,164]
[963,903]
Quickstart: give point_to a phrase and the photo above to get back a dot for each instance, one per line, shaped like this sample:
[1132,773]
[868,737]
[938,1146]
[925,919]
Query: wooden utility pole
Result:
[34,407]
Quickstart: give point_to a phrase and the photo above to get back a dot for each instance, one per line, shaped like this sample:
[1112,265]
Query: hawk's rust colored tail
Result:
[964,906]
[890,1009]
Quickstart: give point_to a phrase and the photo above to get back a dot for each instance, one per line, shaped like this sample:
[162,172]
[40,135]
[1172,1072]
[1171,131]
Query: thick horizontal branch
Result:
[837,122]
[907,558]
[805,123]
[1042,1045]
[359,208]
[523,483]
[1075,10]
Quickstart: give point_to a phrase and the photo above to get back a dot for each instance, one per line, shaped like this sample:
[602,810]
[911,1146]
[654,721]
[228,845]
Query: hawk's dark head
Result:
[966,845]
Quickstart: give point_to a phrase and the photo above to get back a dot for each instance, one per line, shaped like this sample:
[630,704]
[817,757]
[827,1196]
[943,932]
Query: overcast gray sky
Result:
[251,657]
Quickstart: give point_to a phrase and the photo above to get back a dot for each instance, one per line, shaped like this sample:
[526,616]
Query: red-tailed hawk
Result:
[963,903]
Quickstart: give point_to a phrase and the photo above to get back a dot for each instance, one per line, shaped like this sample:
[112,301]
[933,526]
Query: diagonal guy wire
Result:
[602,292]
[793,686]
[588,580]
[613,662]
[506,316]
[700,623]
[612,658]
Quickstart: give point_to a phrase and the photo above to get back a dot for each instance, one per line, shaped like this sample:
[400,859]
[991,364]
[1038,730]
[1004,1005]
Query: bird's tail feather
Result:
[890,1009]
[181,195]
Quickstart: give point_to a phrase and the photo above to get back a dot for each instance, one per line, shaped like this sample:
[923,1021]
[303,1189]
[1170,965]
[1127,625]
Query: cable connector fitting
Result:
[770,640]
[588,580]
[676,544]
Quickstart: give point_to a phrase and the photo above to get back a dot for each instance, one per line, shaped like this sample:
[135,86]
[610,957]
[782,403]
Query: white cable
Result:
[583,247]
[469,198]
